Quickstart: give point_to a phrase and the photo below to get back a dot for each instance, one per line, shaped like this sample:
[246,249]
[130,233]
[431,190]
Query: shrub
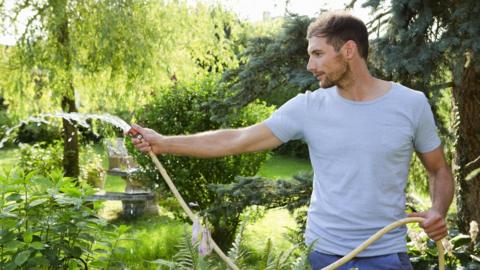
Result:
[34,132]
[45,224]
[41,157]
[185,109]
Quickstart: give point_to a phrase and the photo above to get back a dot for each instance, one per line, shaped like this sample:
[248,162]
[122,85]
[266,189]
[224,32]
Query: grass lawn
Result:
[283,167]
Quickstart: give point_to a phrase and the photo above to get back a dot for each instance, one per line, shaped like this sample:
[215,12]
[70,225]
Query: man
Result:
[361,132]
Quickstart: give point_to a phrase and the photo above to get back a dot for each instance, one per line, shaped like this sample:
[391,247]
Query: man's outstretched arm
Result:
[208,144]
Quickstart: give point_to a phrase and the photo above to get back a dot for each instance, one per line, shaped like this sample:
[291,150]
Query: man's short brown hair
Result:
[338,28]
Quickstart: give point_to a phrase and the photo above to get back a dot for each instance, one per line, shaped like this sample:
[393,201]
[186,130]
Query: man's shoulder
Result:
[408,93]
[315,95]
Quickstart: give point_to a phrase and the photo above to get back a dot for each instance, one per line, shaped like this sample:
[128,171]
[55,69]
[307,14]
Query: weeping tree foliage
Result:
[431,45]
[62,38]
[109,56]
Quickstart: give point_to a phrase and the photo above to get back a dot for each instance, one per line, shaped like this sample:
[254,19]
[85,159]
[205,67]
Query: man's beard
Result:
[337,78]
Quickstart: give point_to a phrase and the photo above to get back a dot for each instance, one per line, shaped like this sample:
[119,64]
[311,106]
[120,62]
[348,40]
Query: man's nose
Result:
[310,65]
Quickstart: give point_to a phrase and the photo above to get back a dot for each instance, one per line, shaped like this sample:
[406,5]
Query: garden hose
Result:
[335,265]
[187,209]
[377,235]
[134,133]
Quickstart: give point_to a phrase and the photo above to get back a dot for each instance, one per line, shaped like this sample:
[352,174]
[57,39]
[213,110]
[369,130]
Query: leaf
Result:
[6,237]
[460,240]
[37,202]
[7,215]
[27,236]
[37,245]
[22,257]
[13,197]
[122,229]
[86,236]
[76,252]
[472,174]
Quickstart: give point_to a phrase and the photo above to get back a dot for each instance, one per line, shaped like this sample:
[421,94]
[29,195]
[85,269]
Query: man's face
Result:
[327,65]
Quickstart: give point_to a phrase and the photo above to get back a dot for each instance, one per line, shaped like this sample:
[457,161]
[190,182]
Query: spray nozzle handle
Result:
[134,133]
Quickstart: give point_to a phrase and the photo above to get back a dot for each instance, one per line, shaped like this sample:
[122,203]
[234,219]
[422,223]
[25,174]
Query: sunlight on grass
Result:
[272,226]
[284,167]
[152,237]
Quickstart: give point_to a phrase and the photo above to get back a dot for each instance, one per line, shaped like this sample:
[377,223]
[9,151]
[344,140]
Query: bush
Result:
[185,109]
[34,132]
[41,157]
[45,224]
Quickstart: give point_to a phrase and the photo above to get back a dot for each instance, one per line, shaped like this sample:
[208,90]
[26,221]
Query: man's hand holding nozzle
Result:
[145,139]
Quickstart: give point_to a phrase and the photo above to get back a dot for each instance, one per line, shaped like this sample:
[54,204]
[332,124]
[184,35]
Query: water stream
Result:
[80,119]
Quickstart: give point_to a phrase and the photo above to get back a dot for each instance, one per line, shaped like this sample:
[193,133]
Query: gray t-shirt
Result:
[360,153]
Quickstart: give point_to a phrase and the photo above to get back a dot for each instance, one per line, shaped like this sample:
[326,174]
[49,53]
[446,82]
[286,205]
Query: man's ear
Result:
[349,49]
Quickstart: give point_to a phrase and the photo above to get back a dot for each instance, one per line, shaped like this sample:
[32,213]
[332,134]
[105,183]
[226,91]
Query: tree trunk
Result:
[466,99]
[70,141]
[70,132]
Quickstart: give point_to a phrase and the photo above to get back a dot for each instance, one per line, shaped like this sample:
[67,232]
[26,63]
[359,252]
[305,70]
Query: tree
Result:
[57,44]
[108,56]
[424,44]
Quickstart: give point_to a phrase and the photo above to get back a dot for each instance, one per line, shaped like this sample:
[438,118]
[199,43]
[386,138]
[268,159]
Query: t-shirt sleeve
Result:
[286,123]
[426,137]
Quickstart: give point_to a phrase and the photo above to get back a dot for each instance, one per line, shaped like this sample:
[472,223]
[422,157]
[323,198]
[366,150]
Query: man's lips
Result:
[319,75]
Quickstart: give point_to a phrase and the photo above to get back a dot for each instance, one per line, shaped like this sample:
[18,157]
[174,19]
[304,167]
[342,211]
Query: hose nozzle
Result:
[134,133]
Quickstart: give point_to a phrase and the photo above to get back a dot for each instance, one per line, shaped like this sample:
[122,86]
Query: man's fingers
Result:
[434,221]
[144,148]
[417,214]
[438,235]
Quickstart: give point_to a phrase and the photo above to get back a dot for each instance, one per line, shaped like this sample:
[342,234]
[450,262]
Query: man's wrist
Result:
[440,210]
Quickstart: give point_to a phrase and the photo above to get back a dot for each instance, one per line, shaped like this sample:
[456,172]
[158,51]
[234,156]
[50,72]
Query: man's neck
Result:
[361,86]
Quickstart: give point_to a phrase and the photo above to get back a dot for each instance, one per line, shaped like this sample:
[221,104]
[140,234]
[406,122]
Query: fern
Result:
[186,258]
[237,252]
[266,255]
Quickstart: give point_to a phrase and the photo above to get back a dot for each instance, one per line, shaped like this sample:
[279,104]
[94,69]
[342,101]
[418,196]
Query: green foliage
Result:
[233,199]
[462,251]
[119,51]
[35,132]
[296,148]
[44,224]
[274,68]
[186,109]
[5,120]
[41,157]
[91,169]
[188,257]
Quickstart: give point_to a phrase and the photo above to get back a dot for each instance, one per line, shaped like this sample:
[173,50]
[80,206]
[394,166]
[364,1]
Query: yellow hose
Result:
[187,209]
[377,235]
